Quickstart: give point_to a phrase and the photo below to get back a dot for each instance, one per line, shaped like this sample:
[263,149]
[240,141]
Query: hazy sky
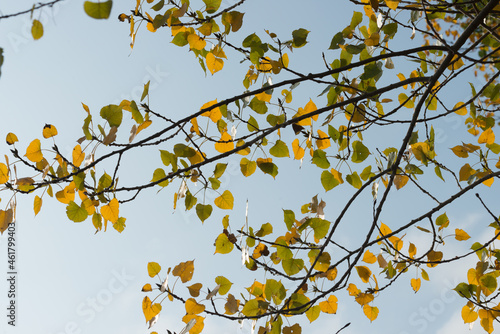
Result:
[72,281]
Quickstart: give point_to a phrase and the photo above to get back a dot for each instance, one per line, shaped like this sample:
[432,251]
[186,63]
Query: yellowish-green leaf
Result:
[203,211]
[36,29]
[223,245]
[224,285]
[98,10]
[153,269]
[225,201]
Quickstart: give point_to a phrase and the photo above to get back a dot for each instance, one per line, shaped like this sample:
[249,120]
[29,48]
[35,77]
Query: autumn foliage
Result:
[370,85]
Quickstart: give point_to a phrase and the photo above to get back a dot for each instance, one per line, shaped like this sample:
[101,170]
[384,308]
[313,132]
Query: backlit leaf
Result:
[225,143]
[279,150]
[98,10]
[371,312]
[461,235]
[111,210]
[224,285]
[364,273]
[329,306]
[113,114]
[223,245]
[76,213]
[11,138]
[4,173]
[192,307]
[34,152]
[225,201]
[292,266]
[203,211]
[153,269]
[415,284]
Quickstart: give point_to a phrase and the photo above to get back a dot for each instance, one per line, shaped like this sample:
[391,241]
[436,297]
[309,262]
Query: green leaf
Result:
[252,124]
[203,211]
[320,160]
[76,213]
[299,37]
[220,168]
[269,168]
[289,218]
[98,10]
[313,313]
[159,174]
[258,106]
[113,114]
[247,167]
[372,70]
[320,227]
[214,182]
[283,251]
[120,224]
[360,153]
[357,18]
[158,6]
[279,150]
[337,40]
[292,266]
[225,284]
[254,307]
[442,221]
[265,229]
[136,114]
[145,91]
[168,158]
[489,281]
[354,180]
[37,29]
[463,290]
[190,201]
[212,5]
[275,290]
[222,244]
[328,180]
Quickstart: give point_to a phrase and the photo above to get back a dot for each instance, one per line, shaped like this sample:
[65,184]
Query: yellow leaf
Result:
[196,129]
[153,269]
[412,250]
[364,273]
[460,109]
[309,107]
[324,140]
[34,151]
[329,306]
[468,314]
[196,42]
[214,114]
[225,143]
[111,211]
[465,172]
[147,288]
[192,307]
[214,64]
[402,78]
[298,152]
[263,97]
[461,235]
[353,290]
[400,181]
[49,131]
[11,138]
[456,63]
[194,290]
[4,173]
[392,4]
[37,205]
[368,257]
[460,151]
[150,310]
[78,156]
[198,325]
[415,284]
[487,137]
[36,29]
[67,194]
[486,320]
[371,312]
[197,158]
[364,298]
[143,126]
[225,201]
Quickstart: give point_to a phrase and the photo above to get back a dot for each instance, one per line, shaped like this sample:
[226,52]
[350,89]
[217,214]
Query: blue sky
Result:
[72,281]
